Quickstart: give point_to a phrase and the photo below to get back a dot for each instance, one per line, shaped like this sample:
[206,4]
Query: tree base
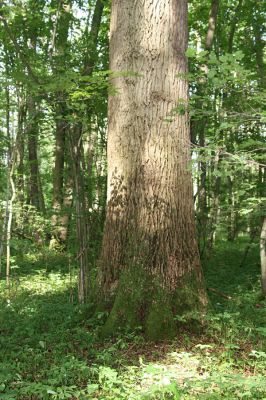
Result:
[141,301]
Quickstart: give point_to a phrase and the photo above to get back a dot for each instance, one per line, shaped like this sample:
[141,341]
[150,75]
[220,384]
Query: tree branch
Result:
[16,46]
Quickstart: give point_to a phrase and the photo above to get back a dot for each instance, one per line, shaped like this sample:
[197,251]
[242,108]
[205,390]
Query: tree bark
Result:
[58,175]
[35,190]
[201,128]
[212,24]
[91,56]
[20,150]
[263,256]
[232,211]
[233,26]
[212,222]
[259,51]
[77,153]
[61,127]
[9,222]
[59,45]
[76,150]
[149,251]
[9,201]
[64,219]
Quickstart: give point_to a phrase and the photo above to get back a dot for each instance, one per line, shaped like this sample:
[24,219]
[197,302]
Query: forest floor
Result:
[50,349]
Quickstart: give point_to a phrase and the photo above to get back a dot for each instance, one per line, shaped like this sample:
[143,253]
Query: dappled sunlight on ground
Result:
[50,346]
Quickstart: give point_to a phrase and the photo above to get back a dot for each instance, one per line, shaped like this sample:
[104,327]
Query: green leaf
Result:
[91,388]
[50,391]
[190,53]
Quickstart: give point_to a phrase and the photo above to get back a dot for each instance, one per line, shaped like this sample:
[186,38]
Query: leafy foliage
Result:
[51,348]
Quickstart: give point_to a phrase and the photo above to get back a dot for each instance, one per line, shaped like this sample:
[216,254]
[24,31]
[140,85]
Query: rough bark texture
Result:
[149,256]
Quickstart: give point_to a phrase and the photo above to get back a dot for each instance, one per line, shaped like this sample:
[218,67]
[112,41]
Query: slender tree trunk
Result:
[263,256]
[8,154]
[150,267]
[64,219]
[76,150]
[5,219]
[92,56]
[232,214]
[20,151]
[58,178]
[200,128]
[35,190]
[9,223]
[259,47]
[233,26]
[212,223]
[59,45]
[212,24]
[259,50]
[11,187]
[89,150]
[58,172]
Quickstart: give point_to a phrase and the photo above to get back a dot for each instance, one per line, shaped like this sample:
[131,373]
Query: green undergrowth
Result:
[50,347]
[141,300]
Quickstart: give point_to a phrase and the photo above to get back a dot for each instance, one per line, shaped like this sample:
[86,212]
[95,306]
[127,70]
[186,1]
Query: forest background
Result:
[55,83]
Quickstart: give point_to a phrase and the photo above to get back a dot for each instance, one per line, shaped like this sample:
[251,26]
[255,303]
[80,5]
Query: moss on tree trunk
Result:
[140,300]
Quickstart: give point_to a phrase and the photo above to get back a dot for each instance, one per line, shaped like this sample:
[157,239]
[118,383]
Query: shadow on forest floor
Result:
[50,347]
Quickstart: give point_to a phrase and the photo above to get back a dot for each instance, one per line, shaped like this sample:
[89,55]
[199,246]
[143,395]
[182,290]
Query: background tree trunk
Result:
[263,256]
[58,172]
[35,190]
[149,247]
[76,150]
[20,150]
[77,155]
[199,128]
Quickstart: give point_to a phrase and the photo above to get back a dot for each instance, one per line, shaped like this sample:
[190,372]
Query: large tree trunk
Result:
[149,255]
